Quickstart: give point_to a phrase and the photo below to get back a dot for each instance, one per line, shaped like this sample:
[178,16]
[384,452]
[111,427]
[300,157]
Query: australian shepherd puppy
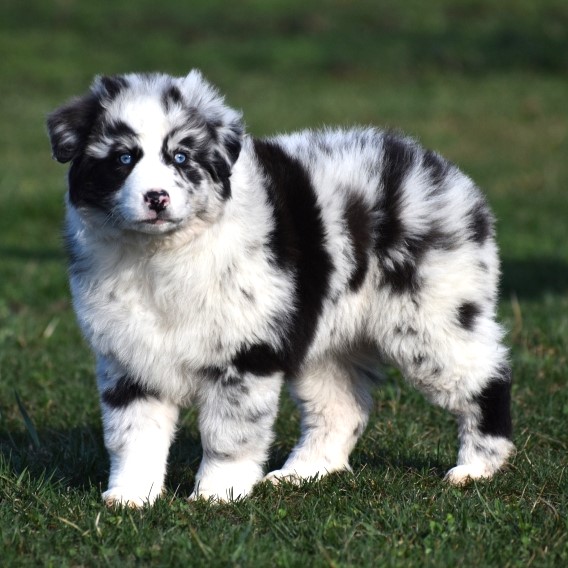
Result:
[209,267]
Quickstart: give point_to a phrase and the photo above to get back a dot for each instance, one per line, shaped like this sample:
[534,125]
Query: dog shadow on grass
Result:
[532,278]
[76,459]
[73,458]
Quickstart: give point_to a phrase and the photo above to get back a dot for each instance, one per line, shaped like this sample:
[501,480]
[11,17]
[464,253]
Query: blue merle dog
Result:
[208,267]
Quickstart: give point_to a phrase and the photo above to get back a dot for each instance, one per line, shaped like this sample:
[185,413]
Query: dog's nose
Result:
[157,200]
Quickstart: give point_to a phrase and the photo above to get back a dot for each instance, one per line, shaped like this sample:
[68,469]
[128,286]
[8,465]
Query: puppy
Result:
[208,267]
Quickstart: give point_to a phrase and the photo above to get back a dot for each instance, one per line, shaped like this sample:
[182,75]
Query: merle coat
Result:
[208,267]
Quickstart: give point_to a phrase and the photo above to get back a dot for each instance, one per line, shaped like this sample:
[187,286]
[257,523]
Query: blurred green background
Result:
[483,82]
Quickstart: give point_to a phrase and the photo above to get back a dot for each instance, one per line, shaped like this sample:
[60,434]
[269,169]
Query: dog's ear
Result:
[70,125]
[229,137]
[227,144]
[224,124]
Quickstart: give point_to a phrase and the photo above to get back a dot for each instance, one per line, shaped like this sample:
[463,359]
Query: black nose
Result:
[157,200]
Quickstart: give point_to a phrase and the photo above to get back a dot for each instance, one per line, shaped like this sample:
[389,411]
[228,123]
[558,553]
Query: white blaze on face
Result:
[147,119]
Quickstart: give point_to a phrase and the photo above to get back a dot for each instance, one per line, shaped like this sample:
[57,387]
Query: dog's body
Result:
[207,267]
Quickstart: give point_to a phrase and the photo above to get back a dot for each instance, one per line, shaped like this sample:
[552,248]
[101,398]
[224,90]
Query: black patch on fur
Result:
[212,373]
[398,157]
[171,97]
[192,175]
[480,223]
[399,251]
[217,168]
[69,126]
[437,168]
[402,276]
[297,242]
[213,129]
[221,172]
[119,129]
[495,404]
[113,85]
[125,392]
[259,360]
[93,181]
[419,359]
[467,314]
[359,225]
[233,145]
[188,142]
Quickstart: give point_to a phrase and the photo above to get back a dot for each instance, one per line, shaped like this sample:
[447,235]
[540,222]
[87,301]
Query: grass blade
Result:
[28,422]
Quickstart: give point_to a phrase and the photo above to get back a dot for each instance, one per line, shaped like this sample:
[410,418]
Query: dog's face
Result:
[148,153]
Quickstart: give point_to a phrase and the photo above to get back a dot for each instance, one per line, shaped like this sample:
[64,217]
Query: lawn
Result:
[482,82]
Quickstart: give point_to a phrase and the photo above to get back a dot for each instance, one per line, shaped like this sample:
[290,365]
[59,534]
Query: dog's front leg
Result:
[236,415]
[138,429]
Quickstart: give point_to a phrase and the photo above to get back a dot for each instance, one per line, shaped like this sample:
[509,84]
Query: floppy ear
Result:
[69,126]
[228,139]
[223,123]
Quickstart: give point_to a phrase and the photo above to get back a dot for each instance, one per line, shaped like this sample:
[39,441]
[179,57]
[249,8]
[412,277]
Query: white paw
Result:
[277,476]
[221,493]
[116,496]
[303,472]
[225,482]
[463,474]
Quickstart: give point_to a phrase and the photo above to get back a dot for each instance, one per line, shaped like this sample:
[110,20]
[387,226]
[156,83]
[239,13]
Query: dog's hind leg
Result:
[334,399]
[467,373]
[485,430]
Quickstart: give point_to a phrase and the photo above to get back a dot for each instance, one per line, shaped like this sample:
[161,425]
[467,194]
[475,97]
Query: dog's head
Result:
[149,153]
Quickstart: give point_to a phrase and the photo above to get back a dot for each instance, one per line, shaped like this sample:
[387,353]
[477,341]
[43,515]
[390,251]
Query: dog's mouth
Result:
[156,221]
[157,225]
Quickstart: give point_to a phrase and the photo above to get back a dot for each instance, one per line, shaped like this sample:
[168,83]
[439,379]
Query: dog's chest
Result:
[177,313]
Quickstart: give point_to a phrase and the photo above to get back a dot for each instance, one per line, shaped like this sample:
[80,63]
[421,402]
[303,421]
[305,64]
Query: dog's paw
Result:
[227,481]
[220,488]
[122,496]
[464,474]
[304,472]
[285,475]
[222,494]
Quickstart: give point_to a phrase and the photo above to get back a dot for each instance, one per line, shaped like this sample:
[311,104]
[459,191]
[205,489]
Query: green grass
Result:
[480,81]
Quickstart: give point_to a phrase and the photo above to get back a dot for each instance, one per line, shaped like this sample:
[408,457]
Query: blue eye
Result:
[180,158]
[125,159]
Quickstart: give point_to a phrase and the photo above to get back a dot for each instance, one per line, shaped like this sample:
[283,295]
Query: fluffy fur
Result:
[208,267]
